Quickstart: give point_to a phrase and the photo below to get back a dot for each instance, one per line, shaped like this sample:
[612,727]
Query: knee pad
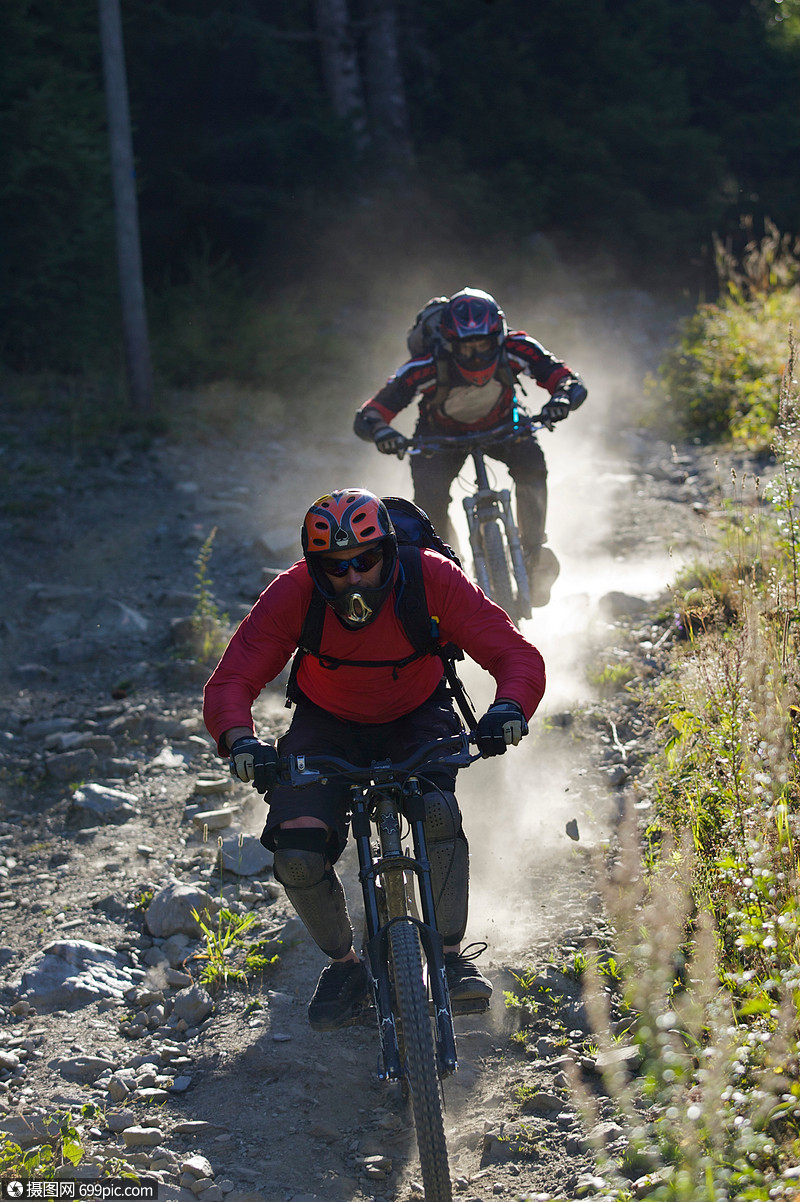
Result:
[448,852]
[313,888]
[298,867]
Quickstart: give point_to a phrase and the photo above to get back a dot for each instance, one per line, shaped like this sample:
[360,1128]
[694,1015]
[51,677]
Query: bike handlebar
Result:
[522,427]
[300,770]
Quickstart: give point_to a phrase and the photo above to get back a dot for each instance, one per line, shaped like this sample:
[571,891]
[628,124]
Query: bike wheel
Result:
[497,562]
[419,1053]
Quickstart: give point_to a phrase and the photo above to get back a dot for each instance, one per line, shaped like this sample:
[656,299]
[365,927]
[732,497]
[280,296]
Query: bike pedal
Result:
[467,1006]
[476,1005]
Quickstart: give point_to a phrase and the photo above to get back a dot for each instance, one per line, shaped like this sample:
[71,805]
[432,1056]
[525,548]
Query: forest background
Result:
[284,150]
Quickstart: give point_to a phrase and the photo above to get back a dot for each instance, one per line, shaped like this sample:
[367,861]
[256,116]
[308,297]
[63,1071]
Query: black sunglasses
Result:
[359,563]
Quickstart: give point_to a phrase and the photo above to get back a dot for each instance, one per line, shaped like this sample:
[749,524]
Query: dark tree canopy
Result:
[630,129]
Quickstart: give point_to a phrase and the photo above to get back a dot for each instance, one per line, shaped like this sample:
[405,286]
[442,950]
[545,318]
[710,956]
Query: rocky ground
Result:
[117,820]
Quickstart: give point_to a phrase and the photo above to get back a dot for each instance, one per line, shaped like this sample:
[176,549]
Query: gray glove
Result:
[556,409]
[256,761]
[503,723]
[390,441]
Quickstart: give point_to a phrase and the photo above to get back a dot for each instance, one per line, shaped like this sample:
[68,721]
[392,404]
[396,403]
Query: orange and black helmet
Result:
[345,520]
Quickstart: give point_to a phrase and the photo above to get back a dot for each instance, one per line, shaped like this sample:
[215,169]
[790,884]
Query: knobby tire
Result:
[497,563]
[420,1061]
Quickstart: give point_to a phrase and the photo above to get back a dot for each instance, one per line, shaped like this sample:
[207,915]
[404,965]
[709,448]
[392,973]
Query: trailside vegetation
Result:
[722,378]
[707,919]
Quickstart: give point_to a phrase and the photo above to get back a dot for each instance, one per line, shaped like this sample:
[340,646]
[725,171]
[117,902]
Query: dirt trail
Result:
[99,559]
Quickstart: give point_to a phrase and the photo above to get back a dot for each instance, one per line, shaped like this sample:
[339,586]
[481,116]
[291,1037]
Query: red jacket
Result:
[466,407]
[268,636]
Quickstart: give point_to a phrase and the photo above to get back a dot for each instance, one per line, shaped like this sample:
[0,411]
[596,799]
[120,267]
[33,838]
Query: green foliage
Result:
[608,679]
[220,943]
[61,1146]
[723,378]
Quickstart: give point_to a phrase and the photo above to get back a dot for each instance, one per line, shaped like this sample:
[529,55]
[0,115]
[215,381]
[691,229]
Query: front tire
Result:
[497,562]
[419,1052]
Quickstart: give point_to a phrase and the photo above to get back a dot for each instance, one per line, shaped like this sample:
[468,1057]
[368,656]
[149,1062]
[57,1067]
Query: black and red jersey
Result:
[466,406]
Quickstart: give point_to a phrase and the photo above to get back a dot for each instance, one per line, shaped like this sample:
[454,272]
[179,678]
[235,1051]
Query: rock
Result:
[84,1068]
[73,972]
[244,855]
[72,765]
[167,758]
[198,1166]
[24,1129]
[170,911]
[621,605]
[572,829]
[180,1084]
[104,803]
[192,1005]
[141,1137]
[120,1120]
[208,786]
[542,1103]
[198,1127]
[176,979]
[118,1088]
[215,820]
[619,1056]
[114,618]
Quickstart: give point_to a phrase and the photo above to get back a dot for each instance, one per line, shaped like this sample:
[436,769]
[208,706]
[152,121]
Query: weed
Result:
[611,678]
[220,944]
[208,624]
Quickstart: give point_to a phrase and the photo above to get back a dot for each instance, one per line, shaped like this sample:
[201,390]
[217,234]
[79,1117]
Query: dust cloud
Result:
[516,808]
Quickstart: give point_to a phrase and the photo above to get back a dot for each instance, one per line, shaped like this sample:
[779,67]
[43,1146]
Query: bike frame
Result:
[383,795]
[487,506]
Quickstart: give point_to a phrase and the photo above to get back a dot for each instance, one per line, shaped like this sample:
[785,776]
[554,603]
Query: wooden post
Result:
[129,256]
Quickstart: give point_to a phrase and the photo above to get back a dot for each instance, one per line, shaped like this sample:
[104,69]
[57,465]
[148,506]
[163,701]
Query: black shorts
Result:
[316,732]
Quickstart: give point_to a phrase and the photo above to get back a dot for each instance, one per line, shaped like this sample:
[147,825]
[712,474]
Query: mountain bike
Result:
[404,949]
[497,556]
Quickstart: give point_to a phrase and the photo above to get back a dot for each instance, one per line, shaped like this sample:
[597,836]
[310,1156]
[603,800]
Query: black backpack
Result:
[414,531]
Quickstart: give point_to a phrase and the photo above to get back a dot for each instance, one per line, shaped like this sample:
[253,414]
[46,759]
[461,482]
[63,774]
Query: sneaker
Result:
[466,982]
[543,570]
[341,989]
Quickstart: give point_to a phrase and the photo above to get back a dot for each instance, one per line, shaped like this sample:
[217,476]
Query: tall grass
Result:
[707,925]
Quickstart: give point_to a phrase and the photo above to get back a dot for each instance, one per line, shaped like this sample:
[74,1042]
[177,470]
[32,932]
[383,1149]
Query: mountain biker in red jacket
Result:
[361,713]
[467,384]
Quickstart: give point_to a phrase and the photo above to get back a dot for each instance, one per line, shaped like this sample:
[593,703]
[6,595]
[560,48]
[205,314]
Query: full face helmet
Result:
[471,314]
[346,520]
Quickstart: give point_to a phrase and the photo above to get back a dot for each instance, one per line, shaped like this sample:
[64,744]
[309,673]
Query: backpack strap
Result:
[422,629]
[308,644]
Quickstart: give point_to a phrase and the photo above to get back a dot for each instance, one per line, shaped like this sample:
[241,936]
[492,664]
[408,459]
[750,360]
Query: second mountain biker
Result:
[465,375]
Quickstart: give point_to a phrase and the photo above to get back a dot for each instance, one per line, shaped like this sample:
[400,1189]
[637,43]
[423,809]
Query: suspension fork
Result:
[377,937]
[431,938]
[391,866]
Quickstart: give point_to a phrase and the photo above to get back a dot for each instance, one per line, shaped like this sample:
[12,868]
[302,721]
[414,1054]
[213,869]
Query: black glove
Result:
[556,409]
[256,761]
[390,441]
[503,723]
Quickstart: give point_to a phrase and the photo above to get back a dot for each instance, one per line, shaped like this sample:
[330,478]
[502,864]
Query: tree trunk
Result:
[129,257]
[340,66]
[385,89]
